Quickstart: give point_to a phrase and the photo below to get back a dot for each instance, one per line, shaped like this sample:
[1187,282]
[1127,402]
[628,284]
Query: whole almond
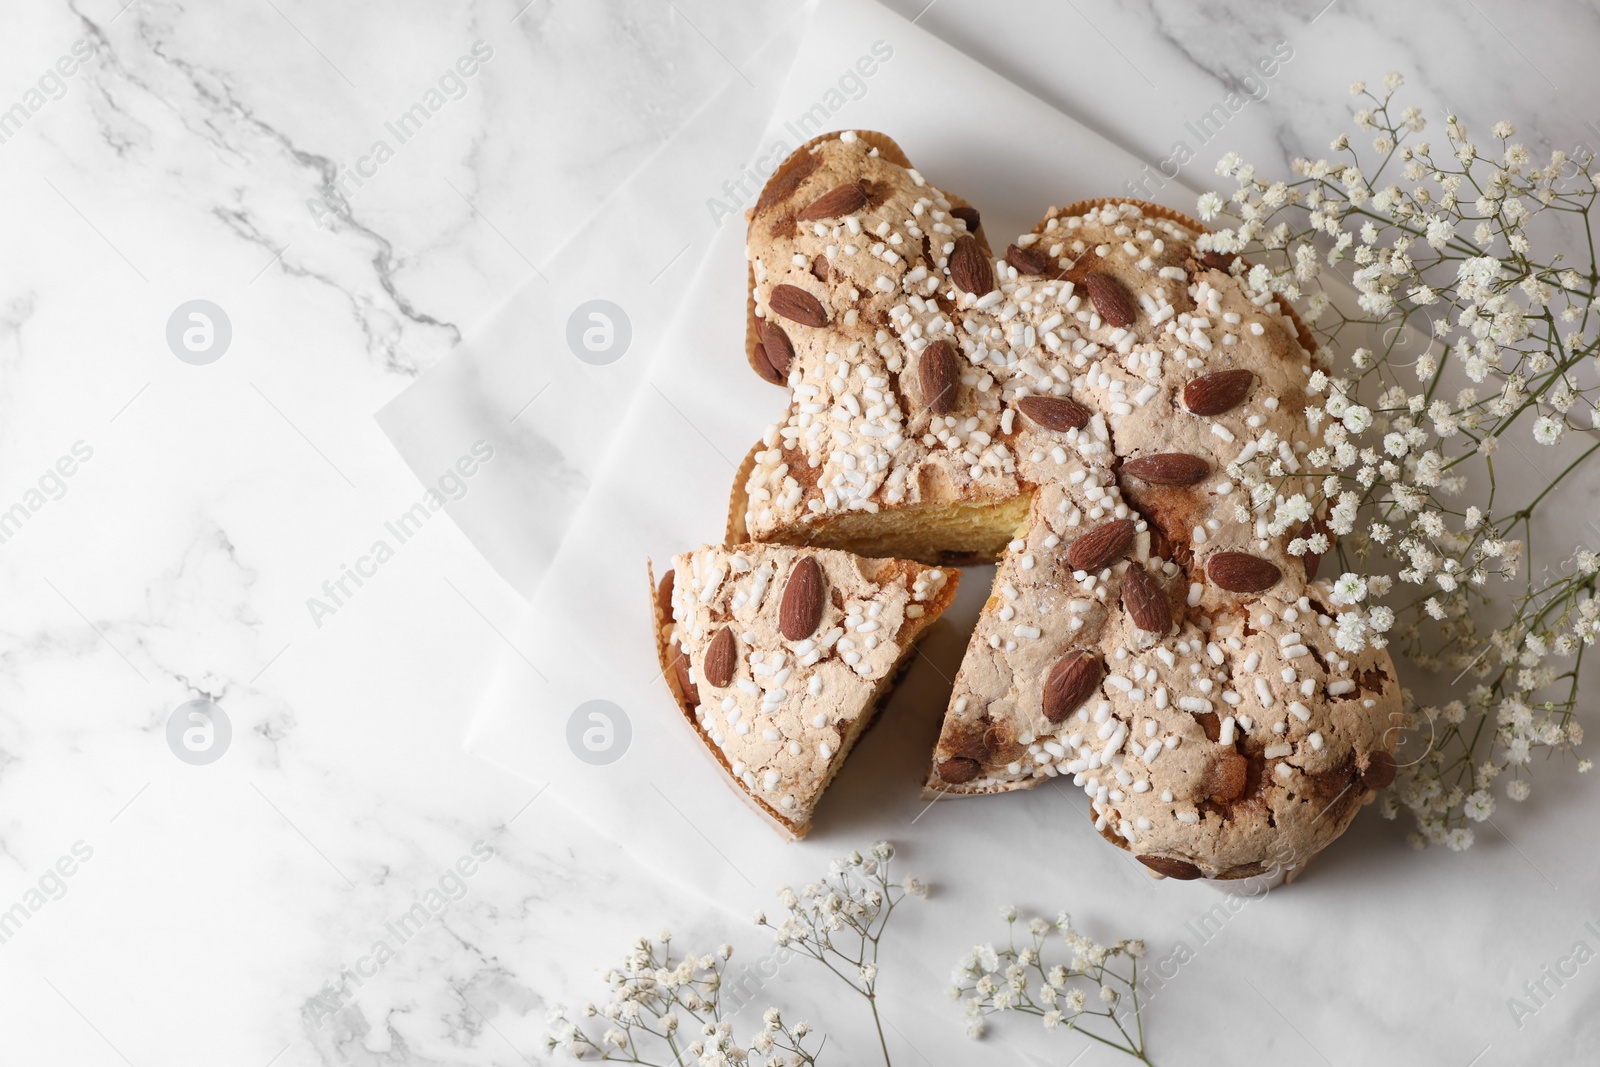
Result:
[841,200]
[969,267]
[1026,260]
[940,375]
[1240,572]
[968,215]
[1168,468]
[1218,260]
[784,184]
[765,368]
[1380,770]
[1226,779]
[977,741]
[797,305]
[819,268]
[959,769]
[1059,413]
[1182,870]
[1074,678]
[717,668]
[1101,546]
[778,348]
[1082,266]
[803,598]
[1144,601]
[680,668]
[1212,394]
[1110,298]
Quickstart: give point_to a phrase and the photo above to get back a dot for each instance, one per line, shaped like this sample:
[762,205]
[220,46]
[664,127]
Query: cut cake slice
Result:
[781,656]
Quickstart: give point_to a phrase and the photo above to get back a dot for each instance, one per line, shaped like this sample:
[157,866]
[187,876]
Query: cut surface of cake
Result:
[780,658]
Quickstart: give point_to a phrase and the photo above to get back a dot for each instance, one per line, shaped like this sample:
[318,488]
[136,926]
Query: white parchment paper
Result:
[1379,954]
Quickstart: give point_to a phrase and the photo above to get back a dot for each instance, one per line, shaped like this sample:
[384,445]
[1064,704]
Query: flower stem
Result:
[882,1044]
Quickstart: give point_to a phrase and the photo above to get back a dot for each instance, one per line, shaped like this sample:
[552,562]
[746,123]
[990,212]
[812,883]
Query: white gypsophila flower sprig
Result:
[1437,243]
[1095,994]
[840,921]
[665,1011]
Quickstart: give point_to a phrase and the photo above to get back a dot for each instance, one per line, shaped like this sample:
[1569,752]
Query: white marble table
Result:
[228,152]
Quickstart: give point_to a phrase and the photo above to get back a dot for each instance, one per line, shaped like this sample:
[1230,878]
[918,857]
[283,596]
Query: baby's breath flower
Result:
[1062,990]
[652,989]
[1479,806]
[1350,588]
[1382,464]
[1350,633]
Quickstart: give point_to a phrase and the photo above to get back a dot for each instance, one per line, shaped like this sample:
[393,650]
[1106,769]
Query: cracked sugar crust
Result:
[782,713]
[1169,373]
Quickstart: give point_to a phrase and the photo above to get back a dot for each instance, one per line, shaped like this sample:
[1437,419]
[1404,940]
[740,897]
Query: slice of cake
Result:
[781,656]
